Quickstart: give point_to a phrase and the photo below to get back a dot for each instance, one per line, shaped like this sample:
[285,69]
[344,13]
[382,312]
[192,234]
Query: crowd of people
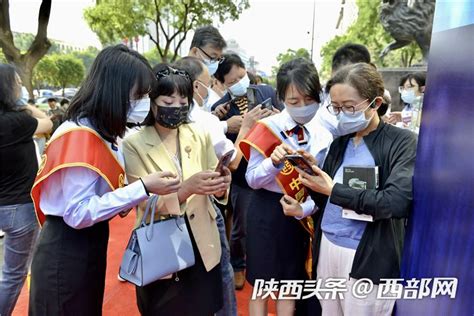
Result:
[133,131]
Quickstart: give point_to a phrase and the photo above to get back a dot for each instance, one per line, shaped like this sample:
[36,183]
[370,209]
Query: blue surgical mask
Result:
[138,110]
[302,114]
[351,123]
[211,66]
[240,88]
[408,96]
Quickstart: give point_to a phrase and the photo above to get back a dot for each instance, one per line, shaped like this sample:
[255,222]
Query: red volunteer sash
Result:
[264,140]
[77,147]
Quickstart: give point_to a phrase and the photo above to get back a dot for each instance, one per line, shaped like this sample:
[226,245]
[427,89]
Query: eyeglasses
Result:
[212,59]
[171,71]
[350,110]
[402,88]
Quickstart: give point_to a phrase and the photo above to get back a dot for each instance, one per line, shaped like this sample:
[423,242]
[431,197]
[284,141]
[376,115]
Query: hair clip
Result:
[172,71]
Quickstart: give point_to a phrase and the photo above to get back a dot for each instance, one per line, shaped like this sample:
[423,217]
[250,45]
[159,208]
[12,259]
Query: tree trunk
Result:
[25,63]
[26,76]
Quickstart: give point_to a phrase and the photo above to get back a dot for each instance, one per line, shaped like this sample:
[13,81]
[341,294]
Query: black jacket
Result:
[379,252]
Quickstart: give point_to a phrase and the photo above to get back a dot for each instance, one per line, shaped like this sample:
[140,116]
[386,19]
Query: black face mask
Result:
[172,117]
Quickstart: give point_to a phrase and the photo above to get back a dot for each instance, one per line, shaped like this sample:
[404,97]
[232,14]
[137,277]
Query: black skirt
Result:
[277,244]
[192,291]
[68,269]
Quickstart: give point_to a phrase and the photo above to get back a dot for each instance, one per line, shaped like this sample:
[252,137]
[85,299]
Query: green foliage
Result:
[23,41]
[87,56]
[367,30]
[70,70]
[167,22]
[115,20]
[45,72]
[289,55]
[154,57]
[58,70]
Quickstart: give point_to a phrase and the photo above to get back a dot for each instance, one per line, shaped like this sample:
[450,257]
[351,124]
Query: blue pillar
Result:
[440,235]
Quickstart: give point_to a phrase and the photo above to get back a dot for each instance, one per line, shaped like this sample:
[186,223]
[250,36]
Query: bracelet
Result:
[144,186]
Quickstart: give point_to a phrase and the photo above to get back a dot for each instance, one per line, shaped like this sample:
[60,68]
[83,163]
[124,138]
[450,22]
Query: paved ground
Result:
[119,298]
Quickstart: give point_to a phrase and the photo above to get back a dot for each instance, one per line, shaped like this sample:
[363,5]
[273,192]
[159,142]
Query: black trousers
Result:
[191,292]
[68,269]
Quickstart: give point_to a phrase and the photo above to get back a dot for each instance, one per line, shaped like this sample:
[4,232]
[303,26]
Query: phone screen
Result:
[267,104]
[252,97]
[224,160]
[300,162]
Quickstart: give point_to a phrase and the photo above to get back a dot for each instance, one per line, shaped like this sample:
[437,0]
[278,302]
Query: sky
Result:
[264,30]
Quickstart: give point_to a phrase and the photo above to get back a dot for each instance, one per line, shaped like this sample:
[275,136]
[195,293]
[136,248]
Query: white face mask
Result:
[205,100]
[408,96]
[303,114]
[348,123]
[240,88]
[138,110]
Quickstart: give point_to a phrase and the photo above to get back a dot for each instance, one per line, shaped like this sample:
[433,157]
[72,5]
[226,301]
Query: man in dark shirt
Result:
[231,108]
[55,113]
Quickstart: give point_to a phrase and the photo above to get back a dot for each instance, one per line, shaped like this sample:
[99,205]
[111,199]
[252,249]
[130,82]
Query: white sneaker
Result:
[2,234]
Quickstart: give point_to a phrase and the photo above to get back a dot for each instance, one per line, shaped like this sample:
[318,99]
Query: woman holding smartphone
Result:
[80,185]
[169,142]
[278,237]
[356,249]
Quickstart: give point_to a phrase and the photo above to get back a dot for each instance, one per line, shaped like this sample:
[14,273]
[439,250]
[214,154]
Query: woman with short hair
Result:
[360,247]
[278,219]
[170,142]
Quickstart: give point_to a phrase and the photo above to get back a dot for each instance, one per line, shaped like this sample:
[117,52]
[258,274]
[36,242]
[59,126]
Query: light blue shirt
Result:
[342,231]
[261,172]
[82,197]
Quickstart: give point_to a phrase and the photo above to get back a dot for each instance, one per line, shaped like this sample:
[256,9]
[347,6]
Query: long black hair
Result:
[169,80]
[301,73]
[104,97]
[8,88]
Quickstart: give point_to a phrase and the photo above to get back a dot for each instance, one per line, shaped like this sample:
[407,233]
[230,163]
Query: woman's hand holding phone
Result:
[320,182]
[204,183]
[227,175]
[291,207]
[279,153]
[254,115]
[308,157]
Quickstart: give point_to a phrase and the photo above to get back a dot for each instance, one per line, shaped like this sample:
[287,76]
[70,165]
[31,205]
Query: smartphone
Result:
[300,162]
[267,104]
[251,97]
[225,160]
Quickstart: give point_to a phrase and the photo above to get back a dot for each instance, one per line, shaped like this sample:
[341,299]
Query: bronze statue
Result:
[408,21]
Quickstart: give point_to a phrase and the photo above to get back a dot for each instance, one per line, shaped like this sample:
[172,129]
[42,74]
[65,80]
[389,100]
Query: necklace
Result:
[176,158]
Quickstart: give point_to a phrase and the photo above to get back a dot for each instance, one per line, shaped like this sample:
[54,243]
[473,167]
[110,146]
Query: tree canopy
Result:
[367,30]
[289,55]
[166,22]
[60,70]
[70,70]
